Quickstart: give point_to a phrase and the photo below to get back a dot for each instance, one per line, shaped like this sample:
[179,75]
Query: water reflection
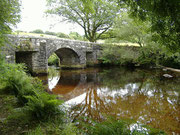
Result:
[141,95]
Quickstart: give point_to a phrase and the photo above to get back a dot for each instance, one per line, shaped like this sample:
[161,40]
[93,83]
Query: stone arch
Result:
[69,57]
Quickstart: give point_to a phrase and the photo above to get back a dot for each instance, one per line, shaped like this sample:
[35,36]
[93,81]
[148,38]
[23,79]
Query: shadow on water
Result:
[142,95]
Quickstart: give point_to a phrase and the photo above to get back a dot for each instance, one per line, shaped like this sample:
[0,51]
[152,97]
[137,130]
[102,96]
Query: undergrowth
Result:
[148,56]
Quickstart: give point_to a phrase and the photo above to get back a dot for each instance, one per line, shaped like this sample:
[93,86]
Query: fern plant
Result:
[43,106]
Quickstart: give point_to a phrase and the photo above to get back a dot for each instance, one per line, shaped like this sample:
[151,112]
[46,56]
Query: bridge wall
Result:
[35,51]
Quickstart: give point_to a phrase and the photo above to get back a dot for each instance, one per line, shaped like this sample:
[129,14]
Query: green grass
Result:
[34,34]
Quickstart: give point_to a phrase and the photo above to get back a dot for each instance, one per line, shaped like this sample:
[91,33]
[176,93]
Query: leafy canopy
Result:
[95,22]
[164,16]
[9,16]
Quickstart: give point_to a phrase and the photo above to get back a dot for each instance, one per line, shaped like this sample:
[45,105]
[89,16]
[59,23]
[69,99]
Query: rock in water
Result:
[167,76]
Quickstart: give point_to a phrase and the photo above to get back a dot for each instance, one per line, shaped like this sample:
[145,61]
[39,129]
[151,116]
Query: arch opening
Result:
[25,58]
[68,58]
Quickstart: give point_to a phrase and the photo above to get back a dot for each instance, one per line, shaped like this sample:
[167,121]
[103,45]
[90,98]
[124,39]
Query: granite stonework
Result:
[35,51]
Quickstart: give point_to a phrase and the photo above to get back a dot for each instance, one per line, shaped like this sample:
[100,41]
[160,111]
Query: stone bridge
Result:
[35,51]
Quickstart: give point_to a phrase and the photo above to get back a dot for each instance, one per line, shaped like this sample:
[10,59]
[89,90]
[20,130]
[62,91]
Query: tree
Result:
[75,36]
[9,16]
[50,33]
[164,16]
[132,30]
[94,22]
[38,31]
[62,35]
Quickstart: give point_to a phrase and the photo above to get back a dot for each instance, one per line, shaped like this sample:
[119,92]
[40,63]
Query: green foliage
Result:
[39,31]
[153,55]
[17,81]
[62,35]
[164,16]
[94,22]
[109,127]
[36,131]
[70,129]
[75,36]
[53,60]
[9,16]
[171,60]
[43,107]
[108,35]
[50,33]
[132,30]
[119,55]
[30,92]
[147,56]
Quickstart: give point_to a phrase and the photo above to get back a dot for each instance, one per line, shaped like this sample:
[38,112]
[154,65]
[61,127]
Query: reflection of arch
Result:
[67,83]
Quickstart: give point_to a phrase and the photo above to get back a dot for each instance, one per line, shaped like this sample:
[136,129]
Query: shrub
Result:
[149,56]
[119,55]
[38,31]
[53,60]
[171,60]
[62,35]
[50,33]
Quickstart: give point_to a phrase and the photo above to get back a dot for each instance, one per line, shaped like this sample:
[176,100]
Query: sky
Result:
[33,17]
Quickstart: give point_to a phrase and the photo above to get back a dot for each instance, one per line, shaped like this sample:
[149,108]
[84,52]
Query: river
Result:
[146,96]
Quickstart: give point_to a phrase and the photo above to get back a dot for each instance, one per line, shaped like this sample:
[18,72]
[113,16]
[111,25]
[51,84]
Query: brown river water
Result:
[145,96]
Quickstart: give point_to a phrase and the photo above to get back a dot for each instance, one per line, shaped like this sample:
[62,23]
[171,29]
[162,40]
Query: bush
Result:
[62,35]
[53,60]
[38,31]
[171,60]
[119,55]
[50,33]
[149,56]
